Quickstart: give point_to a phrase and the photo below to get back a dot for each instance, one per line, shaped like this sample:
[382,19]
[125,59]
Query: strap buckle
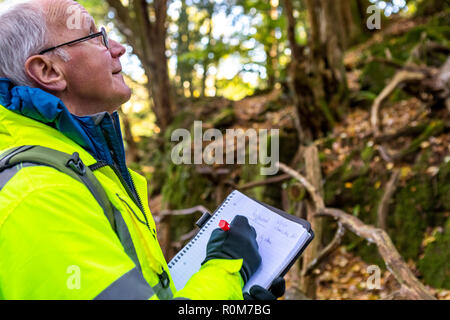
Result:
[164,279]
[76,164]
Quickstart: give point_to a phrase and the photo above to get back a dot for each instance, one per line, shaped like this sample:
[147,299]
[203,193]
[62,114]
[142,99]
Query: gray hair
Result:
[23,33]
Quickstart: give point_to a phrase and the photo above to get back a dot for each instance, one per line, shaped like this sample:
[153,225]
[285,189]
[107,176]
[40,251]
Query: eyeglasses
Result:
[102,33]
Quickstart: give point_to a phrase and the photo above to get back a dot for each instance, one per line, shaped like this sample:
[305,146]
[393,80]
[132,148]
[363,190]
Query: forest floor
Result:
[345,276]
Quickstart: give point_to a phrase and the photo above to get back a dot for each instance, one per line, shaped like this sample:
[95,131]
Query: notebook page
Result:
[278,239]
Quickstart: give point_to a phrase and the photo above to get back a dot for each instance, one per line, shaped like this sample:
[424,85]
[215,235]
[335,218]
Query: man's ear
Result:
[45,73]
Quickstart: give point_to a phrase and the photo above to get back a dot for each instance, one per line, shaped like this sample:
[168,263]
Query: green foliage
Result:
[407,223]
[418,203]
[434,266]
[430,7]
[375,75]
[434,128]
[183,187]
[97,8]
[367,154]
[233,89]
[444,186]
[251,173]
[288,144]
[225,118]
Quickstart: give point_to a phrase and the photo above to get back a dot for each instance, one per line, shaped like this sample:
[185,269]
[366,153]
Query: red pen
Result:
[225,226]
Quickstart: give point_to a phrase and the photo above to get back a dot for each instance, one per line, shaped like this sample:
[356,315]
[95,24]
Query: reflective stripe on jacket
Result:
[56,243]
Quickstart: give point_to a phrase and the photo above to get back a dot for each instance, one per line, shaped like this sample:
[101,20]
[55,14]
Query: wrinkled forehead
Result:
[66,14]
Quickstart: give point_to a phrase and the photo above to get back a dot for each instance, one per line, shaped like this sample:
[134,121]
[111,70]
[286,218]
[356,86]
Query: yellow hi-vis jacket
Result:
[56,242]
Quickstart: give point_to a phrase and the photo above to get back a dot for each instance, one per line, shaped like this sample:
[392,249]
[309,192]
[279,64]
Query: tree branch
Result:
[317,199]
[121,10]
[393,260]
[327,250]
[180,212]
[254,184]
[383,208]
[400,77]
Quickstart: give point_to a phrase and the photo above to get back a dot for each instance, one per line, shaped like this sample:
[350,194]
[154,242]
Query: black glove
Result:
[275,291]
[237,243]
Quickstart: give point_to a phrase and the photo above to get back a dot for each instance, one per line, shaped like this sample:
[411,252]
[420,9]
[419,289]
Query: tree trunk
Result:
[318,80]
[352,22]
[207,60]
[314,175]
[272,49]
[144,26]
[184,68]
[334,42]
[295,48]
[132,148]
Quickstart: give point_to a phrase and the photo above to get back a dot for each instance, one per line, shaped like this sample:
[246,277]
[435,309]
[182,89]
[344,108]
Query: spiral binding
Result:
[202,230]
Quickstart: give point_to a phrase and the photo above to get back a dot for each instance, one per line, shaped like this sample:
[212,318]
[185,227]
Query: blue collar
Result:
[98,134]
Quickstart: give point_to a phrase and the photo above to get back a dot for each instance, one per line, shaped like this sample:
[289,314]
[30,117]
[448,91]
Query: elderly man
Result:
[88,233]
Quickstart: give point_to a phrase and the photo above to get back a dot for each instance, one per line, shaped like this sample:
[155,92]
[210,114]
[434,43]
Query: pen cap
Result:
[225,226]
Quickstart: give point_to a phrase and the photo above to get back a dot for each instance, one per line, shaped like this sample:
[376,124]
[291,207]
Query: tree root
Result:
[333,245]
[393,260]
[429,84]
[383,207]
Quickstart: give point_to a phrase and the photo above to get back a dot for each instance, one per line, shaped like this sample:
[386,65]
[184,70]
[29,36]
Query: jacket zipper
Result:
[163,277]
[136,198]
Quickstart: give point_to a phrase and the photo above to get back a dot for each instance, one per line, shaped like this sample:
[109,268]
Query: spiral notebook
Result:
[281,239]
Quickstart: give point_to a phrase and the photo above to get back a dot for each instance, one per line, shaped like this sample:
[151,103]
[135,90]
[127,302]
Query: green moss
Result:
[372,80]
[273,106]
[444,186]
[225,118]
[418,203]
[366,250]
[430,7]
[183,119]
[367,154]
[288,145]
[408,221]
[362,199]
[184,188]
[375,76]
[271,193]
[435,265]
[335,191]
[251,173]
[434,128]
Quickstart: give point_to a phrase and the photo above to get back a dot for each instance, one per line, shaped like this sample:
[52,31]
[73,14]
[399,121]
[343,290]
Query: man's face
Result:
[93,73]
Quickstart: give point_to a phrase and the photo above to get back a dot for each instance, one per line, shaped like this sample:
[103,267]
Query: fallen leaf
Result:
[405,171]
[432,171]
[425,144]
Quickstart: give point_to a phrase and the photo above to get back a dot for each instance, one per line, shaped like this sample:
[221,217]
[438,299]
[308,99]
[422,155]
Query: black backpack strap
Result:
[12,160]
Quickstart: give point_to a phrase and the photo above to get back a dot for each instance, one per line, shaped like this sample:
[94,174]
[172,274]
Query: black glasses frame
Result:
[91,36]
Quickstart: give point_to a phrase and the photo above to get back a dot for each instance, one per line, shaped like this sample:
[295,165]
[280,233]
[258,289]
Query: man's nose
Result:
[117,50]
